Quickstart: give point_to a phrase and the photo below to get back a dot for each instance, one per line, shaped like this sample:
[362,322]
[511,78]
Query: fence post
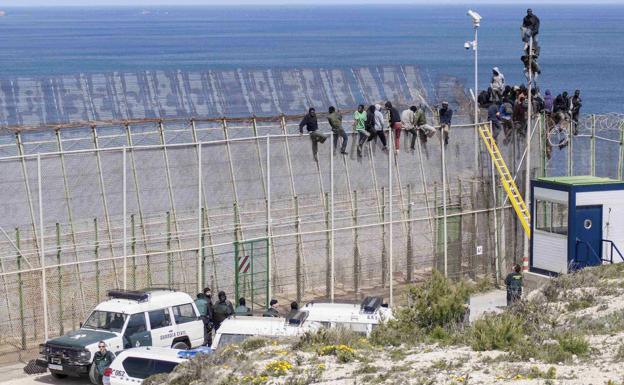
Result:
[621,158]
[60,278]
[20,284]
[356,249]
[125,224]
[97,256]
[593,145]
[133,249]
[328,248]
[384,250]
[169,262]
[200,222]
[410,251]
[298,273]
[44,282]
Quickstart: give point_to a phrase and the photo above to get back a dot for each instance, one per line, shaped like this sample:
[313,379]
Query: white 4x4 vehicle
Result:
[150,317]
[361,318]
[132,366]
[235,330]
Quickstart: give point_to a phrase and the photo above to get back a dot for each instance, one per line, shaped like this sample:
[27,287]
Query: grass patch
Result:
[496,332]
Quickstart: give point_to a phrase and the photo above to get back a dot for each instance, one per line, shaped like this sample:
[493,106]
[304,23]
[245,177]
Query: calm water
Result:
[582,46]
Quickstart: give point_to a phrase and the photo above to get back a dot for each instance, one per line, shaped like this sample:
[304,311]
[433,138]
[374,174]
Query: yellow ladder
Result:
[508,182]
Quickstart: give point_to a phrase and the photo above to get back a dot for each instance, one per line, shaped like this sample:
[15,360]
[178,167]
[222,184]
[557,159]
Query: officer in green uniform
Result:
[101,360]
[202,306]
[514,285]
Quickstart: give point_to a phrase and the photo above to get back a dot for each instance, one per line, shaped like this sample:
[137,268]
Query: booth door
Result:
[588,227]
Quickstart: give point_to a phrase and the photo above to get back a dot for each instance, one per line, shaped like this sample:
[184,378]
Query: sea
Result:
[582,45]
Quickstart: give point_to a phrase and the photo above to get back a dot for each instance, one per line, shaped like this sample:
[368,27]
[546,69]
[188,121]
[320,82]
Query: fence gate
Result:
[251,267]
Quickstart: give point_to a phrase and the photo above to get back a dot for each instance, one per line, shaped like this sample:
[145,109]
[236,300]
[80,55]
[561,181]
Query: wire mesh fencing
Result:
[151,204]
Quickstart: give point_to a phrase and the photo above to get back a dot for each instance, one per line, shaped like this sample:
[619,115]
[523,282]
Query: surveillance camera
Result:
[467,45]
[476,18]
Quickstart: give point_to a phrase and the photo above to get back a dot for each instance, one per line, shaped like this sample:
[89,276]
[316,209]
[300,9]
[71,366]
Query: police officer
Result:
[242,309]
[514,285]
[221,310]
[272,310]
[101,360]
[294,309]
[202,306]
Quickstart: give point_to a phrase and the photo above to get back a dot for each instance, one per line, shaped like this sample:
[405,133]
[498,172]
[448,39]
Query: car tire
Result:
[180,345]
[58,375]
[94,377]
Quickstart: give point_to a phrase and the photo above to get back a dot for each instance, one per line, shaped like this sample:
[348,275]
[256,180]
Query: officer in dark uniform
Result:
[272,310]
[221,310]
[514,285]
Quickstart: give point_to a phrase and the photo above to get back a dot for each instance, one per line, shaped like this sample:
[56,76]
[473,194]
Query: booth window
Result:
[551,217]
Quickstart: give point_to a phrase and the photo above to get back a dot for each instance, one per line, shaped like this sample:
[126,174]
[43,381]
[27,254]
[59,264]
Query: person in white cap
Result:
[380,126]
[498,84]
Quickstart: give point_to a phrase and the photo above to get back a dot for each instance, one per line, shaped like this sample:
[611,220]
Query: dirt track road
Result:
[14,375]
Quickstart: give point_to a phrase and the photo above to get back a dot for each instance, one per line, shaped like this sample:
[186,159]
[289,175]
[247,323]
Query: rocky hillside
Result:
[570,331]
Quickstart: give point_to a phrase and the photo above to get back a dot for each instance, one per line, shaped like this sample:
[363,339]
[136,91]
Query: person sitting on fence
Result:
[485,98]
[242,309]
[548,102]
[369,125]
[505,112]
[335,121]
[445,115]
[493,116]
[519,115]
[311,124]
[408,123]
[424,130]
[530,27]
[394,120]
[576,103]
[359,127]
[272,310]
[380,126]
[497,84]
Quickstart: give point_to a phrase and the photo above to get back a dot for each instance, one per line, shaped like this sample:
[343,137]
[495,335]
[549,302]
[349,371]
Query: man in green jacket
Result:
[335,121]
[102,360]
[425,130]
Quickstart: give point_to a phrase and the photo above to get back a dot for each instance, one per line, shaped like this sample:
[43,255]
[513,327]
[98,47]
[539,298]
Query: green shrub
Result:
[574,344]
[253,343]
[438,302]
[496,332]
[325,336]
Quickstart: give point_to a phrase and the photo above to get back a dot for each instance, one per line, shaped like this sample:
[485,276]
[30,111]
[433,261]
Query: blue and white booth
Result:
[576,221]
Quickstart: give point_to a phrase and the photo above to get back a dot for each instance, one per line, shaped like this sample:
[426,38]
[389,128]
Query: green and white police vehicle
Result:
[150,317]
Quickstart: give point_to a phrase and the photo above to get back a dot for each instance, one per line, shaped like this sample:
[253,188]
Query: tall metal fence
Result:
[164,203]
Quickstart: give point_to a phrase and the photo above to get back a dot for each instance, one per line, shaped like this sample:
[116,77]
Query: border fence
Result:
[165,203]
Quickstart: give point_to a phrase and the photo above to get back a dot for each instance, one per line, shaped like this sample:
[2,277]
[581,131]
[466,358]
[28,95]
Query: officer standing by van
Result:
[202,306]
[101,360]
[221,310]
[513,281]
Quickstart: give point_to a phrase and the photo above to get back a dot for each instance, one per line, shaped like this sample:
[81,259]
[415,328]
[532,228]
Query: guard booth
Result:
[577,221]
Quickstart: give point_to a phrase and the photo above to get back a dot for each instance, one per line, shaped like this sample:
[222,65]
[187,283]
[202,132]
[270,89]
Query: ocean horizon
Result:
[581,44]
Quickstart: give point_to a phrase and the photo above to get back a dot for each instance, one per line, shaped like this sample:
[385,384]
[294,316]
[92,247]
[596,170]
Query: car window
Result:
[105,320]
[184,313]
[159,318]
[136,324]
[228,339]
[142,368]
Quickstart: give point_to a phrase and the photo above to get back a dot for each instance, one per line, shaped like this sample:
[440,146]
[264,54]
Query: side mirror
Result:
[80,324]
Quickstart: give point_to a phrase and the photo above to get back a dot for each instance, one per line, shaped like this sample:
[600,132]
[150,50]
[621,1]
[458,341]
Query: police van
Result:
[360,317]
[235,330]
[132,366]
[150,317]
